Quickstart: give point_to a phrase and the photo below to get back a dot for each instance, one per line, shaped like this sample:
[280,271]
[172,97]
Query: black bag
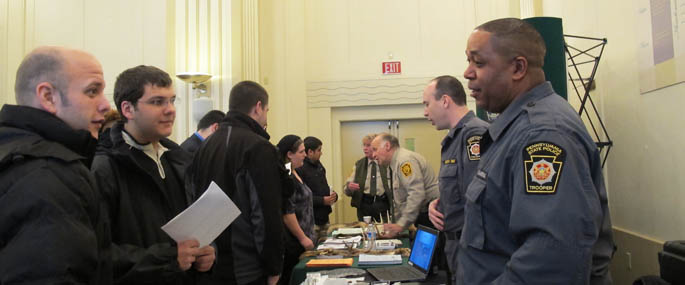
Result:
[672,262]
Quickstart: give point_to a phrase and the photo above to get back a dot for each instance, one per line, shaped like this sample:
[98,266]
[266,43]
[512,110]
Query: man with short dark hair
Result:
[52,226]
[241,160]
[444,103]
[413,180]
[142,180]
[313,174]
[206,127]
[536,211]
[369,186]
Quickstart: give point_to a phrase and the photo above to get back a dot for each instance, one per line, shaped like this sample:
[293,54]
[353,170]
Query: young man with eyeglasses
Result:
[142,180]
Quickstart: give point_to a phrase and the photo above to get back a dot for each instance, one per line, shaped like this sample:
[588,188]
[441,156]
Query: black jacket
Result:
[139,204]
[241,160]
[52,227]
[191,144]
[314,175]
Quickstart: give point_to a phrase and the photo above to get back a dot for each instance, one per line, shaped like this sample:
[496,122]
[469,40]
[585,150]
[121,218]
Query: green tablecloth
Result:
[300,271]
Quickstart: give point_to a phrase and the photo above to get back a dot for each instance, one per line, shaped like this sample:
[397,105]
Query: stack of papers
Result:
[348,231]
[340,243]
[381,259]
[343,262]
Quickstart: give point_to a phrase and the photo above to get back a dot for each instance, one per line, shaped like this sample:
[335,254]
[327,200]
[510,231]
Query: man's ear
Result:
[254,112]
[48,97]
[127,109]
[214,127]
[445,100]
[520,67]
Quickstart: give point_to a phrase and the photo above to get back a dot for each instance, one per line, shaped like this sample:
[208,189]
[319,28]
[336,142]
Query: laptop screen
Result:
[424,247]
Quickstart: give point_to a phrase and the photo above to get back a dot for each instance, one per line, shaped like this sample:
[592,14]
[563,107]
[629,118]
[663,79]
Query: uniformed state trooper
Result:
[413,181]
[444,103]
[536,211]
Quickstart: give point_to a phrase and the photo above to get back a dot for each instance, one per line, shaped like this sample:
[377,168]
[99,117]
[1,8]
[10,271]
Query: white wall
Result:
[644,169]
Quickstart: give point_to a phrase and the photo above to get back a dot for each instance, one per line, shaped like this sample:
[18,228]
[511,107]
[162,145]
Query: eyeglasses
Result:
[161,102]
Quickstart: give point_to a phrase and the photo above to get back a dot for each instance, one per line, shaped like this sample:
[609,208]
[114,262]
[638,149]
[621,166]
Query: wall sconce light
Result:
[197,79]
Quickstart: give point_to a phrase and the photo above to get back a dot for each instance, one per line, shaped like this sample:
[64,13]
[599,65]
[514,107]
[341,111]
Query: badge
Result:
[542,164]
[450,161]
[406,169]
[473,147]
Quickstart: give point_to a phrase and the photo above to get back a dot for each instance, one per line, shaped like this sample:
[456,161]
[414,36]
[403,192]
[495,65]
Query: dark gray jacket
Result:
[241,160]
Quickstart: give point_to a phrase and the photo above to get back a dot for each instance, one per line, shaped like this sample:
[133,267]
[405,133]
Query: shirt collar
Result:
[516,107]
[460,125]
[199,136]
[148,148]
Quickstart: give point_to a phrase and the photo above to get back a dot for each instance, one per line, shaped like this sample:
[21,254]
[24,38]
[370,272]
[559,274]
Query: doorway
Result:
[414,134]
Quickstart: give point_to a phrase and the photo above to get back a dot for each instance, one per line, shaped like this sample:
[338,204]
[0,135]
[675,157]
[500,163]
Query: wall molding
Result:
[368,92]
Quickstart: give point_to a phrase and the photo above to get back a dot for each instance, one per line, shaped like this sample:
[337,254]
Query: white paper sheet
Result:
[347,231]
[205,219]
[374,259]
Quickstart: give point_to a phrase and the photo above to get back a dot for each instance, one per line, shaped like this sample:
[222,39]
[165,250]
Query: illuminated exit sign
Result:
[392,67]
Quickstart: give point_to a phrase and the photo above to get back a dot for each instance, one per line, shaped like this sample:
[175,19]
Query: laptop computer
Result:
[419,263]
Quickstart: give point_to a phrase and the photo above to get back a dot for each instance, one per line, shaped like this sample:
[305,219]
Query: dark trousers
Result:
[424,220]
[375,208]
[293,250]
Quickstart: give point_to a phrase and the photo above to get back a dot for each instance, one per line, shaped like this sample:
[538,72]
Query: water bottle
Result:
[371,233]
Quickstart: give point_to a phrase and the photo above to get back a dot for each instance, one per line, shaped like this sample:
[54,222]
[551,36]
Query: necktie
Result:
[372,187]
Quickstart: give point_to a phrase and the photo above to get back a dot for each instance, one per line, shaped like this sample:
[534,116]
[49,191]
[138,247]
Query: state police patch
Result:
[542,165]
[473,147]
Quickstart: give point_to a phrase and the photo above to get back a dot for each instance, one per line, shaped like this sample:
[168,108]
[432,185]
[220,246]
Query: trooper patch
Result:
[406,169]
[542,165]
[473,147]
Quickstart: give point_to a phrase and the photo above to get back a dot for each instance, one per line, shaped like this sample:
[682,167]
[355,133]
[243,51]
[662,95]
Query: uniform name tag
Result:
[542,165]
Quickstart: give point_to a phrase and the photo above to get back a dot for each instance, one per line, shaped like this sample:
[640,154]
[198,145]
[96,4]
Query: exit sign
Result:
[392,67]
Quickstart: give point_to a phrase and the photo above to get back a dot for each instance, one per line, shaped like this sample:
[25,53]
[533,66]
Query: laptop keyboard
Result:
[396,273]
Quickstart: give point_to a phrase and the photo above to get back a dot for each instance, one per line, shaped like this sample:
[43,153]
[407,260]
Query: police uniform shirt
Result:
[460,155]
[415,185]
[536,211]
[367,189]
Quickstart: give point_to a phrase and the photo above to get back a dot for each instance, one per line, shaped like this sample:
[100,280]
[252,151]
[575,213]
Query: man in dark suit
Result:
[206,127]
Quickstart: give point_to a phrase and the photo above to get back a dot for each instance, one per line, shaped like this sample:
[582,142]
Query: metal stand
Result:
[583,85]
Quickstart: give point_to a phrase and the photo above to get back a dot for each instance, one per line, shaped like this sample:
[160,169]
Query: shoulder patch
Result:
[406,169]
[473,147]
[542,166]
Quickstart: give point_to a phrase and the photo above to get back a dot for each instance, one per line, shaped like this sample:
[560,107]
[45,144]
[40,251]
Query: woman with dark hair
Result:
[298,214]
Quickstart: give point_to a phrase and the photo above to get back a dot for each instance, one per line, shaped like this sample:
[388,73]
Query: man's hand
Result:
[307,243]
[391,230]
[353,186]
[187,250]
[205,259]
[330,200]
[273,280]
[435,216]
